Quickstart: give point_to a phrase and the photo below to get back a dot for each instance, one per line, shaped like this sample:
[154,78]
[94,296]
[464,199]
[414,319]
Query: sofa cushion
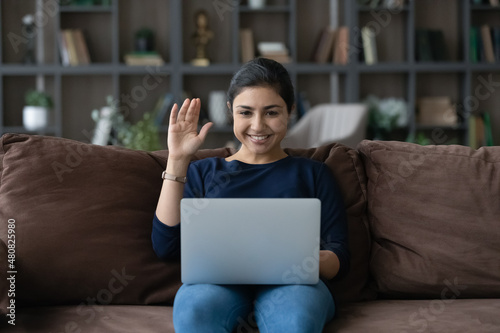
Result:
[443,316]
[91,318]
[83,222]
[434,216]
[405,316]
[349,172]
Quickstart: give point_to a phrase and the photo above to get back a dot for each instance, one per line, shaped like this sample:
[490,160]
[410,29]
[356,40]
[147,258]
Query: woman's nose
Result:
[258,123]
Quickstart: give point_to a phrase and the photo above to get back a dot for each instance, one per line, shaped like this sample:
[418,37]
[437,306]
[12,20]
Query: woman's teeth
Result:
[259,137]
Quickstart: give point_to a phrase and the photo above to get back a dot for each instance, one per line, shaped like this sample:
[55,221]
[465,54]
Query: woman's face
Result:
[260,121]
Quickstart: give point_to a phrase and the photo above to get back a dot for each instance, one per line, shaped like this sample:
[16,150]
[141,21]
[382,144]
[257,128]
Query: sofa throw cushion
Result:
[434,214]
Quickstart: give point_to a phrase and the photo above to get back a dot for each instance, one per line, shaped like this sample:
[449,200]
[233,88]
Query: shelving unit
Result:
[110,29]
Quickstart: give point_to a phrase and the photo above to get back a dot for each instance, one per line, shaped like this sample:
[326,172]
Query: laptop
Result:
[250,241]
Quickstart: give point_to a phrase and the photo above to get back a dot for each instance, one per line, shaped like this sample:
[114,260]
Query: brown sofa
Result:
[424,225]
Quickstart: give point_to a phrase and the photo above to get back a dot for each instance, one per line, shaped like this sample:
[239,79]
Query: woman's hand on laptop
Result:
[329,264]
[183,137]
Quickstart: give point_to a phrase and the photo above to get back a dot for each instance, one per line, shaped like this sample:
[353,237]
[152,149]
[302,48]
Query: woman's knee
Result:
[299,308]
[207,308]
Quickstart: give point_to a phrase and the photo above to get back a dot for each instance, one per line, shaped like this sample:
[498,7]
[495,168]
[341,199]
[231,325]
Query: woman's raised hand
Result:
[183,137]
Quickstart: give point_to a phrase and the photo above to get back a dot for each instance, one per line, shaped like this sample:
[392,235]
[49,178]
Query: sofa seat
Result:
[92,319]
[381,316]
[408,316]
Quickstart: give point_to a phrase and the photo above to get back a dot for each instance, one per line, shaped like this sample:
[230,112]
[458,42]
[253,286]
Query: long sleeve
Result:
[334,235]
[166,239]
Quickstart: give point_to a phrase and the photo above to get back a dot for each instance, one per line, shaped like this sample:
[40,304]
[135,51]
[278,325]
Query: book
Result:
[423,45]
[341,47]
[73,48]
[472,132]
[70,42]
[438,45]
[324,46]
[82,50]
[143,59]
[473,45]
[496,42]
[281,58]
[247,45]
[272,48]
[369,46]
[488,133]
[63,47]
[487,43]
[480,132]
[480,49]
[276,51]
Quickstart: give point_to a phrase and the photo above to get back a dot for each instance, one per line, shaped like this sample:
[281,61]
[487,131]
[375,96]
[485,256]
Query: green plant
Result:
[385,115]
[144,33]
[144,135]
[38,98]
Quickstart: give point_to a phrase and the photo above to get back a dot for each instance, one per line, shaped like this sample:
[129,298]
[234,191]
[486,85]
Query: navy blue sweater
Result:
[290,177]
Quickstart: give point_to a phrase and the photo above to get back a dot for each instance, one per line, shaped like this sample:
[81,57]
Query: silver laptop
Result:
[250,241]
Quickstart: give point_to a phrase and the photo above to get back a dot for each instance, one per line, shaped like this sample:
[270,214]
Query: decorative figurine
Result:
[201,38]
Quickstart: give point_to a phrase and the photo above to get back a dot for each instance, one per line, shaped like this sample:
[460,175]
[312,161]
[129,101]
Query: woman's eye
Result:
[245,113]
[272,113]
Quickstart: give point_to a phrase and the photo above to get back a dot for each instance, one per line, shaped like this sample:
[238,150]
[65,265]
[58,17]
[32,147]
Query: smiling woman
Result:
[260,124]
[260,98]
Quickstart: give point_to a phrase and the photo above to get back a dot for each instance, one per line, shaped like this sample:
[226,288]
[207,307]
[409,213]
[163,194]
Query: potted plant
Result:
[36,110]
[144,40]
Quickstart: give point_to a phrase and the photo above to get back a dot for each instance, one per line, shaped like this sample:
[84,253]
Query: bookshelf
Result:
[110,29]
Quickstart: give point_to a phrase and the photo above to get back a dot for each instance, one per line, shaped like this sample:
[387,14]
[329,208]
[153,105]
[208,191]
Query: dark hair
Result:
[262,72]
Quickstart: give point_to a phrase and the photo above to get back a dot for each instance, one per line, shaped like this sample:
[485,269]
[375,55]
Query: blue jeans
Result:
[239,308]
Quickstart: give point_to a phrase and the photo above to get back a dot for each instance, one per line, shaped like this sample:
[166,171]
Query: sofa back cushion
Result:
[434,214]
[345,165]
[83,222]
[84,216]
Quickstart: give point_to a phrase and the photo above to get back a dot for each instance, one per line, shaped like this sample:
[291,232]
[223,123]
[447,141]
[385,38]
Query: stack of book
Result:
[332,46]
[274,50]
[74,50]
[485,44]
[144,59]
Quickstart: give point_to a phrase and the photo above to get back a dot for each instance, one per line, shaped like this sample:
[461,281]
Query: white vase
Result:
[256,4]
[35,117]
[217,108]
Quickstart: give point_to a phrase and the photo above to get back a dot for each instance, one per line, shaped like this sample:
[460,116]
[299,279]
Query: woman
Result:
[260,98]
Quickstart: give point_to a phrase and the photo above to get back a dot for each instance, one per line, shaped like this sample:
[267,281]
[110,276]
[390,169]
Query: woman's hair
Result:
[262,72]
